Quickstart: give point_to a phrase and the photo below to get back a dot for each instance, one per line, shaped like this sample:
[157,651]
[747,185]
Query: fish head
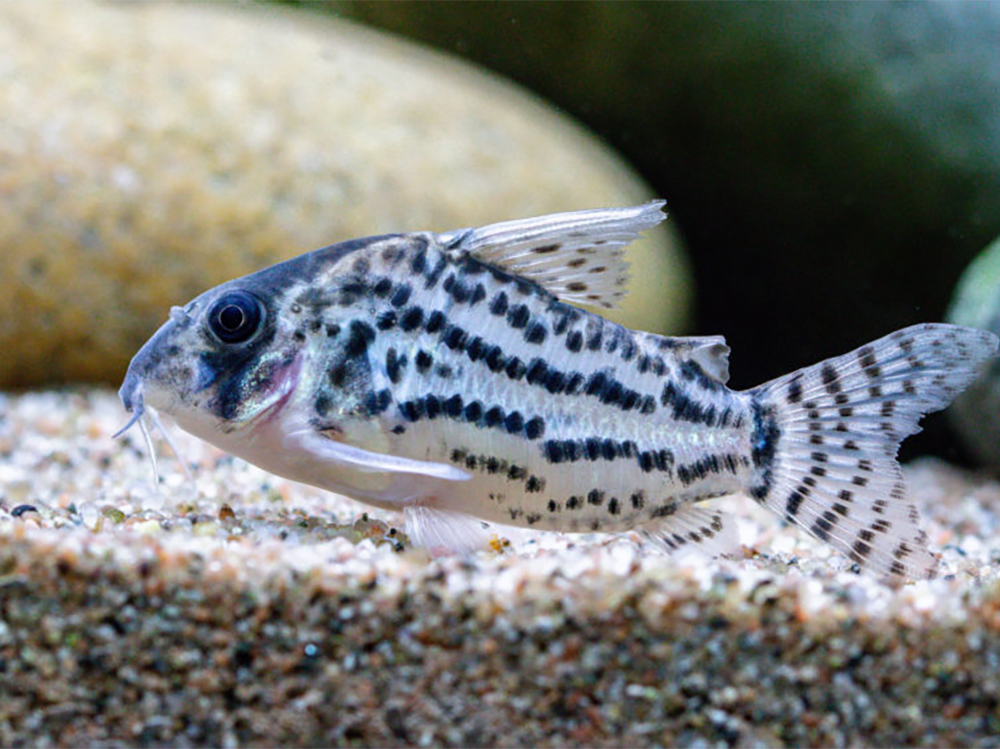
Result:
[219,363]
[232,357]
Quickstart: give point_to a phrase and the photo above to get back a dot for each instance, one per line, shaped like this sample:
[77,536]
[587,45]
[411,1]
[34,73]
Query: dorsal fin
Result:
[575,256]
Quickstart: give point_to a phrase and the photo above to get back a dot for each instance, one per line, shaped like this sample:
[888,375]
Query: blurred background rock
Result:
[151,151]
[976,413]
[831,167]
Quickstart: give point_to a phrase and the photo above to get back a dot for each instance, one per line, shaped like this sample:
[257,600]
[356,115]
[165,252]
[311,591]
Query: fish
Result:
[466,380]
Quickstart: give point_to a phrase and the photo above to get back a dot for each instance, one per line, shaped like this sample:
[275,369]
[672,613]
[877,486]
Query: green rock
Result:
[150,151]
[976,413]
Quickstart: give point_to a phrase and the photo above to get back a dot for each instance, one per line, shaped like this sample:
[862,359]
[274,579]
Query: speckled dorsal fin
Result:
[709,352]
[693,527]
[576,256]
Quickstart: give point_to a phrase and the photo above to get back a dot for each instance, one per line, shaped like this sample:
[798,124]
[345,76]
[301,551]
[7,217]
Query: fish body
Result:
[448,376]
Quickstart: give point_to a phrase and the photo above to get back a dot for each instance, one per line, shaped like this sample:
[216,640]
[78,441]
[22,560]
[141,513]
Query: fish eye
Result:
[235,317]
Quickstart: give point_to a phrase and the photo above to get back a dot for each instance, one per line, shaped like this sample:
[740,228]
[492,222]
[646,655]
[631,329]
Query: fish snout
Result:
[149,369]
[142,387]
[131,390]
[131,394]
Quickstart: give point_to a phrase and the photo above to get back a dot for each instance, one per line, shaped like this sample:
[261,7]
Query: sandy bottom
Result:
[235,608]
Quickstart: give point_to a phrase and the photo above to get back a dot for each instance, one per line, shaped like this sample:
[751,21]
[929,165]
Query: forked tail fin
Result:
[826,437]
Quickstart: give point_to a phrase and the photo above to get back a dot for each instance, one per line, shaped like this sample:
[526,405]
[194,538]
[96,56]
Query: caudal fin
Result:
[826,439]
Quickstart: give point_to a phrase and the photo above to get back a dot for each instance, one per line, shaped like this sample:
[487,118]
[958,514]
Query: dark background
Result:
[831,167]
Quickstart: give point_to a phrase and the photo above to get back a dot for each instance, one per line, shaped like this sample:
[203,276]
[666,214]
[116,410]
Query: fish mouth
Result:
[131,394]
[285,378]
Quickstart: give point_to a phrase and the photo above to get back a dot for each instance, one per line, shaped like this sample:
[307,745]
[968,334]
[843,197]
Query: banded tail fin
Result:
[826,438]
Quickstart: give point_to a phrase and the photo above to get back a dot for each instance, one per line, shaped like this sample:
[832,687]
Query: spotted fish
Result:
[449,377]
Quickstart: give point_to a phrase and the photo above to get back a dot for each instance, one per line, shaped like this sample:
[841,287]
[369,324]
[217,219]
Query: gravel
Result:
[234,608]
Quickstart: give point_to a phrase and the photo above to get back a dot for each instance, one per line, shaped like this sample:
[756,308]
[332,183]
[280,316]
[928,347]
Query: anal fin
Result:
[706,529]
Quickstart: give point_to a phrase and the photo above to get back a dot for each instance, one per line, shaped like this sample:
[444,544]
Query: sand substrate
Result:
[234,608]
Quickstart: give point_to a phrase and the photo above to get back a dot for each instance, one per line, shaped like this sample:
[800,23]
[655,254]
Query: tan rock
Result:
[149,151]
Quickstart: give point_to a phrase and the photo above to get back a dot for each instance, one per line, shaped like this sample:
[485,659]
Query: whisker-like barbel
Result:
[136,415]
[152,451]
[132,395]
[155,418]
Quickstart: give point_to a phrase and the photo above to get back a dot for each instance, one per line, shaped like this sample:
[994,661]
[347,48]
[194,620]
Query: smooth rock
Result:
[832,166]
[976,412]
[150,151]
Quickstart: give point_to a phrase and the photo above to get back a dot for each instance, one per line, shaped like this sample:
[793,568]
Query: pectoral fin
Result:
[364,460]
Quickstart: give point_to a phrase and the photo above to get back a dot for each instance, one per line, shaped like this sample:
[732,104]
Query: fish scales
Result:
[550,408]
[448,376]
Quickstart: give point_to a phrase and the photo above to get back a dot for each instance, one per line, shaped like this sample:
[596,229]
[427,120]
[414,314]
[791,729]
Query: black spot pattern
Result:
[411,319]
[394,365]
[535,333]
[852,411]
[499,303]
[685,408]
[378,403]
[534,484]
[763,447]
[473,412]
[454,337]
[601,385]
[893,378]
[702,468]
[401,295]
[435,321]
[360,336]
[423,360]
[518,316]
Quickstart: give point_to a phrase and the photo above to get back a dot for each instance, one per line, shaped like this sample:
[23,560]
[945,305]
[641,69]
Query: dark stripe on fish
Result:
[763,447]
[691,371]
[699,469]
[685,408]
[494,466]
[596,448]
[601,385]
[431,406]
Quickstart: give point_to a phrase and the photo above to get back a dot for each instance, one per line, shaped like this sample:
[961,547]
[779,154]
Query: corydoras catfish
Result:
[448,376]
